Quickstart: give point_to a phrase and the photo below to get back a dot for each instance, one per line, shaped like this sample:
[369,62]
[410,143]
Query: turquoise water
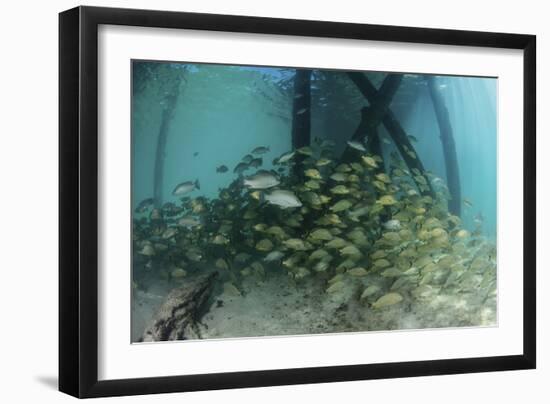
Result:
[223,112]
[471,102]
[336,223]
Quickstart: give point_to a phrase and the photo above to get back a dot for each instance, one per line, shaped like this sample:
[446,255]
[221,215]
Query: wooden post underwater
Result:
[449,148]
[396,132]
[371,117]
[167,115]
[301,114]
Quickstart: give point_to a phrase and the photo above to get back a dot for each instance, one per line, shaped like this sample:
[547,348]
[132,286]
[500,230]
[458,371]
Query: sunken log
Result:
[396,132]
[301,113]
[167,115]
[449,148]
[178,316]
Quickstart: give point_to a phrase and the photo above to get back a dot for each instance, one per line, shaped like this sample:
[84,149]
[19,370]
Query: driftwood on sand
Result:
[182,309]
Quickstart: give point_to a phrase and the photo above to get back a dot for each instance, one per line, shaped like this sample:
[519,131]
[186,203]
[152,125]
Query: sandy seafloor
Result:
[273,305]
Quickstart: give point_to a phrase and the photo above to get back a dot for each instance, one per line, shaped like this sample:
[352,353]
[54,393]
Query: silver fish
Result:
[186,187]
[242,257]
[261,180]
[285,157]
[274,256]
[144,205]
[248,158]
[478,219]
[282,198]
[189,221]
[260,150]
[169,233]
[393,224]
[301,111]
[241,167]
[257,162]
[356,145]
[327,143]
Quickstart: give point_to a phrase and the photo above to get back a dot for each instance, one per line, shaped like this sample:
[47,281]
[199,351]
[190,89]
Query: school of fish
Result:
[361,223]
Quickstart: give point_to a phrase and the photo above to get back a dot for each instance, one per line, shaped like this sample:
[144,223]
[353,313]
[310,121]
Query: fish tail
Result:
[197,184]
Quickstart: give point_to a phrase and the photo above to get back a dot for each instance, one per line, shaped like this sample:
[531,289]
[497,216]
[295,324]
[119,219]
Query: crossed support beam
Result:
[371,117]
[379,113]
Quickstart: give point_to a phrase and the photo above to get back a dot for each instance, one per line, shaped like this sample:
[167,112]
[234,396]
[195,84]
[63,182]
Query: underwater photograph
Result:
[272,201]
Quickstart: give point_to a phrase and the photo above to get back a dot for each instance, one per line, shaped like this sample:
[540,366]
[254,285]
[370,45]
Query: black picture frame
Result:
[78,196]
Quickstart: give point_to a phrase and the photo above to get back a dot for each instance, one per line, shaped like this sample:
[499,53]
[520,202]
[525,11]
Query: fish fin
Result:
[197,184]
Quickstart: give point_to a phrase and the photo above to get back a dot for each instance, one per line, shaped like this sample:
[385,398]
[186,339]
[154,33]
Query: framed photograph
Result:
[251,201]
